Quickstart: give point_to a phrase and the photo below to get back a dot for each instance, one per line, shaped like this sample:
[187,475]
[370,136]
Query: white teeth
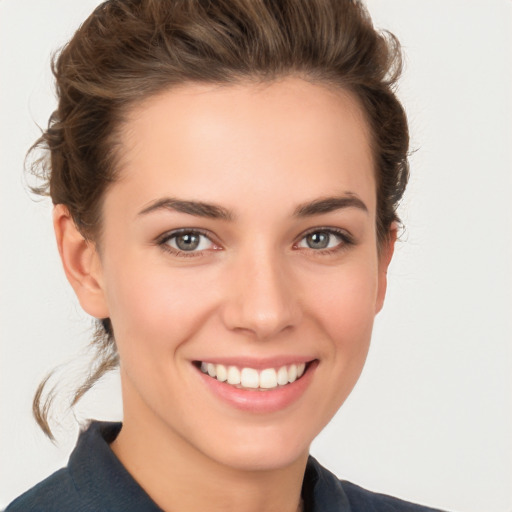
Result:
[233,375]
[249,378]
[269,378]
[222,373]
[292,373]
[282,376]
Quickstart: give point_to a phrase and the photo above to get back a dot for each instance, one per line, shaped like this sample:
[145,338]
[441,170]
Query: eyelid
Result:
[180,231]
[346,239]
[162,240]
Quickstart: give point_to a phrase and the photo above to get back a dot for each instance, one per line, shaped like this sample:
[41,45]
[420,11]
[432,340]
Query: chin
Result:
[264,451]
[263,460]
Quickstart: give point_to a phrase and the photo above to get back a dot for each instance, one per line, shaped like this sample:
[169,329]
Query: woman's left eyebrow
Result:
[330,204]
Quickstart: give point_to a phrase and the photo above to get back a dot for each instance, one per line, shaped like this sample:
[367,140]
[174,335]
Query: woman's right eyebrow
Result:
[197,208]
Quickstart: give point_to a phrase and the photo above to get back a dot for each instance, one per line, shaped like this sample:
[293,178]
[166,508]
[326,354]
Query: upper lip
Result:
[257,363]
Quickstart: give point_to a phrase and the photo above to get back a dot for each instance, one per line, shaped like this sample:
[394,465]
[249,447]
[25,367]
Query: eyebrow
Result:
[213,211]
[197,208]
[329,204]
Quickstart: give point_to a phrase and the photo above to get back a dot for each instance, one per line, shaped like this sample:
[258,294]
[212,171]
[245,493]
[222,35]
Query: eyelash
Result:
[345,240]
[163,240]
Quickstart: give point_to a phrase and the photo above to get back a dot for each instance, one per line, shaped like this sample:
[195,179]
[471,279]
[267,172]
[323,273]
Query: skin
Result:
[254,289]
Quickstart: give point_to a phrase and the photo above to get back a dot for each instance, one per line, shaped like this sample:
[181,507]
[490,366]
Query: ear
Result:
[385,255]
[81,263]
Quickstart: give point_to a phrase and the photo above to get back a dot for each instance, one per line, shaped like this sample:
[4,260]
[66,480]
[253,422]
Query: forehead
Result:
[290,140]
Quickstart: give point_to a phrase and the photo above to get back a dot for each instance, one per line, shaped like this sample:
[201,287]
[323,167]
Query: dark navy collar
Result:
[322,491]
[100,479]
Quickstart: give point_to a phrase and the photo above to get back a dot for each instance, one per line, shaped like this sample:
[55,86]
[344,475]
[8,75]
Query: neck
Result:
[179,477]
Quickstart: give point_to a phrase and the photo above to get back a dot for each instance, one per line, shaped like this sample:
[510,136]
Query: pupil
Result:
[318,240]
[187,242]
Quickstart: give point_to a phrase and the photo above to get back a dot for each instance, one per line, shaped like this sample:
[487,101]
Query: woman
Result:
[225,178]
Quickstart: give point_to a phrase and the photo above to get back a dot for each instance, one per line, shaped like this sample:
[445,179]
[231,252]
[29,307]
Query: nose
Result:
[261,298]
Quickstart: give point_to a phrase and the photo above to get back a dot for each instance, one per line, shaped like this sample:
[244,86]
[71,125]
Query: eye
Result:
[186,241]
[325,239]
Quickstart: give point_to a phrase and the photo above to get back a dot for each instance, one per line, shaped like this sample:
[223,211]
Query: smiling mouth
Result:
[252,379]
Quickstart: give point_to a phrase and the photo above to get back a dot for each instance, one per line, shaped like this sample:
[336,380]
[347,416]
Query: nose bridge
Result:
[261,298]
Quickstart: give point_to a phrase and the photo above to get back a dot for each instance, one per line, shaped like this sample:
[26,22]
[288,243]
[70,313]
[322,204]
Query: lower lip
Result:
[253,400]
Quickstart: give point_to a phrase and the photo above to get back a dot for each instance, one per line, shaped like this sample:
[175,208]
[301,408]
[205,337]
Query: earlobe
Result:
[81,263]
[385,256]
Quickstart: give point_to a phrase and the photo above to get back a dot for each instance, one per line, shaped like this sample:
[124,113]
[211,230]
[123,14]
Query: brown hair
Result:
[129,50]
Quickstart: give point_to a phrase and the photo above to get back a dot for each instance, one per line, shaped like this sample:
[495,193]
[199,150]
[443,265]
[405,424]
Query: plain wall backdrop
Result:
[431,418]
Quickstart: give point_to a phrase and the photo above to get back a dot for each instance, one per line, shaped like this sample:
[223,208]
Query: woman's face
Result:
[240,240]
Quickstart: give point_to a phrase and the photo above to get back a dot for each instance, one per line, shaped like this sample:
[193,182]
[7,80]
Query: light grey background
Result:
[431,418]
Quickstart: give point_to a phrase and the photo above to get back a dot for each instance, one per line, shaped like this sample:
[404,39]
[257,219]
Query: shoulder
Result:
[323,491]
[55,493]
[93,480]
[363,500]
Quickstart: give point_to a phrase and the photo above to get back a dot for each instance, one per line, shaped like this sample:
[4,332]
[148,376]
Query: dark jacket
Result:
[95,481]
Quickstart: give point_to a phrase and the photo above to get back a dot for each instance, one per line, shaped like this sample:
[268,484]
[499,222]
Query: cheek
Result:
[345,309]
[342,307]
[346,302]
[156,310]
